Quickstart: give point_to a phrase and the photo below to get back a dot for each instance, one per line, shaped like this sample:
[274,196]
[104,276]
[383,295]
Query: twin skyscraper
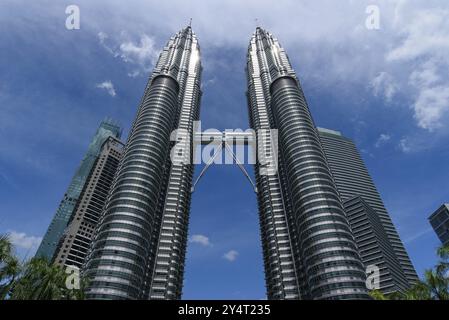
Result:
[322,223]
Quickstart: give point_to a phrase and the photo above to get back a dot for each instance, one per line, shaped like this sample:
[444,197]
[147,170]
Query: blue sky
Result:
[387,89]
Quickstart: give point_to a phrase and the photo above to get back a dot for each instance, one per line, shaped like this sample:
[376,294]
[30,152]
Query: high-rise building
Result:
[67,206]
[139,247]
[75,242]
[374,246]
[440,223]
[376,237]
[309,250]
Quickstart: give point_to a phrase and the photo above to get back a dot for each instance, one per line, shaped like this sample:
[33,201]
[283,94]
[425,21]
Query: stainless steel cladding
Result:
[139,247]
[309,250]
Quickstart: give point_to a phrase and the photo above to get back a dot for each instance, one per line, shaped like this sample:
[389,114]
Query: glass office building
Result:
[376,236]
[440,223]
[68,203]
[75,242]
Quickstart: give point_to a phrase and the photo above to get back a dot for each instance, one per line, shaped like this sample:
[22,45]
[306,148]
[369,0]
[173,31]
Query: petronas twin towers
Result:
[309,250]
[139,247]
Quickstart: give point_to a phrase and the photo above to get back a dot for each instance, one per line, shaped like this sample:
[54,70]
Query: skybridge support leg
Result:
[223,139]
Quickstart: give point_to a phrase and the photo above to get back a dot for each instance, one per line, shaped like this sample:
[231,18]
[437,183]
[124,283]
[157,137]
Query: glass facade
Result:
[376,236]
[440,223]
[75,243]
[66,208]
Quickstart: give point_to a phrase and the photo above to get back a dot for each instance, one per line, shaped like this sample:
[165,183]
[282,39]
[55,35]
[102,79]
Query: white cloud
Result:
[143,54]
[418,142]
[425,48]
[425,75]
[201,239]
[430,107]
[395,61]
[209,82]
[405,145]
[425,30]
[330,48]
[383,138]
[133,74]
[103,37]
[384,85]
[105,42]
[22,240]
[431,101]
[231,255]
[108,86]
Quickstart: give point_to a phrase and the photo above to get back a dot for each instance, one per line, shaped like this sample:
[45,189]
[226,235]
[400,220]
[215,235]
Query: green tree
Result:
[9,266]
[5,247]
[42,280]
[378,295]
[434,286]
[37,279]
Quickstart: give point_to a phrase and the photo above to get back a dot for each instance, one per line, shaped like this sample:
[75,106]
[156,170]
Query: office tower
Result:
[138,250]
[75,242]
[378,244]
[66,207]
[309,250]
[440,223]
[374,246]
